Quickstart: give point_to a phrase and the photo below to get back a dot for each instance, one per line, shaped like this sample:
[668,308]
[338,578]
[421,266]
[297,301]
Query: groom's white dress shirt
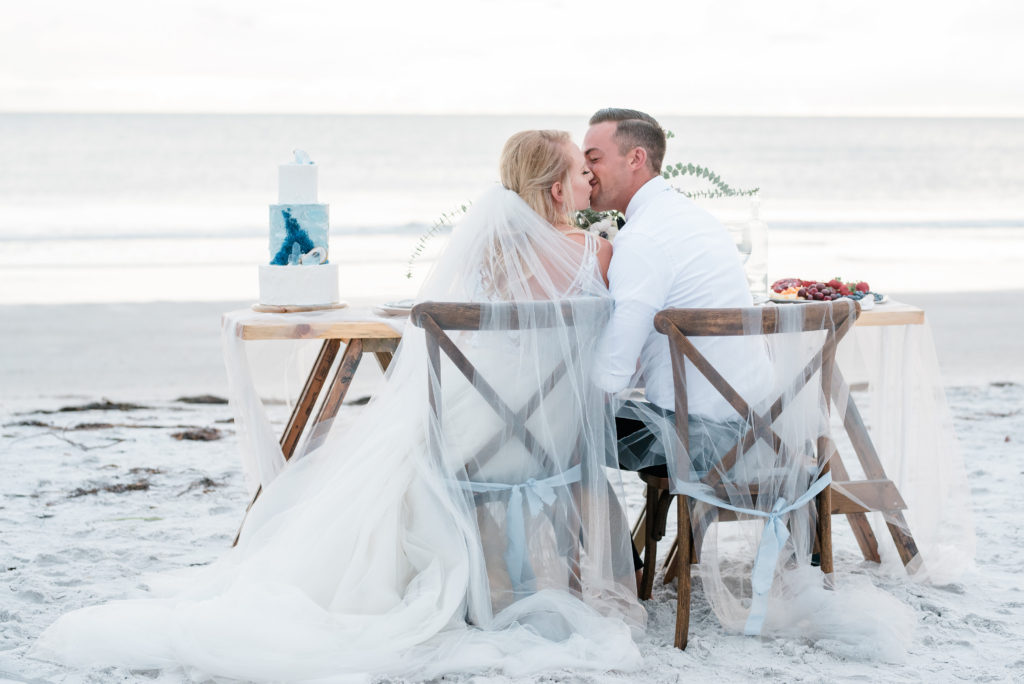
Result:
[672,253]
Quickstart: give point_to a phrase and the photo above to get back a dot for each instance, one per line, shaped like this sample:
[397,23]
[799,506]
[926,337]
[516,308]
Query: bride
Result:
[410,546]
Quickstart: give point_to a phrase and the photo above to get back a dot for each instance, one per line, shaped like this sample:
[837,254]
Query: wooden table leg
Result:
[307,398]
[302,411]
[342,379]
[858,521]
[383,359]
[905,543]
[873,470]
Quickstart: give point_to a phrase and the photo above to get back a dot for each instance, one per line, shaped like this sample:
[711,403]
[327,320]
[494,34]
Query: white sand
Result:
[63,546]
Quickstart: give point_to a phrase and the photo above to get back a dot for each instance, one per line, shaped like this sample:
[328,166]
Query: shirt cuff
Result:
[611,383]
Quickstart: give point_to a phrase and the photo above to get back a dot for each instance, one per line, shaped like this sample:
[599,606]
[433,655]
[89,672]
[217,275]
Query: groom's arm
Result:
[639,280]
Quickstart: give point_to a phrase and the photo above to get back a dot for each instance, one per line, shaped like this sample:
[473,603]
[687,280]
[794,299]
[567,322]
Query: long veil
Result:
[429,536]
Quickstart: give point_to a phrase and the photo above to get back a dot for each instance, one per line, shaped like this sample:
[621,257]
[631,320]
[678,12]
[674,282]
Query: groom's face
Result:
[611,173]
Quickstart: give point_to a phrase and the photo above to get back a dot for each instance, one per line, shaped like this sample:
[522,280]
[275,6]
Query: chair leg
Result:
[694,548]
[825,529]
[650,543]
[671,561]
[683,596]
[575,540]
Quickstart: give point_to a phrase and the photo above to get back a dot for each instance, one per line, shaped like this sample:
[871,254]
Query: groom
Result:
[670,253]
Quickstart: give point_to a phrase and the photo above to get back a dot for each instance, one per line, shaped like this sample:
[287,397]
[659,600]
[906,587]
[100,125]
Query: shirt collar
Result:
[645,194]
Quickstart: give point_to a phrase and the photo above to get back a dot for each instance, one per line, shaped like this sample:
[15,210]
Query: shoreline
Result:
[162,350]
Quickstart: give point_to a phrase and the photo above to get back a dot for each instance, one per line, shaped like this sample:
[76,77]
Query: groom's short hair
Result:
[635,129]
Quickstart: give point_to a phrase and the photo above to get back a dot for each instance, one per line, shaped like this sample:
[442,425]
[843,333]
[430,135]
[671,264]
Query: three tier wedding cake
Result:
[299,275]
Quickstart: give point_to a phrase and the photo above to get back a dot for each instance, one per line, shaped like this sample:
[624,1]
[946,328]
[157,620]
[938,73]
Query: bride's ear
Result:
[557,193]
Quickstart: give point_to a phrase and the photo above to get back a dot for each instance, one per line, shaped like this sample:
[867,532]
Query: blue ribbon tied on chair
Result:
[773,539]
[536,494]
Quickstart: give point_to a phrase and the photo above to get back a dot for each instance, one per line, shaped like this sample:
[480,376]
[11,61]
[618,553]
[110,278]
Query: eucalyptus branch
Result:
[721,188]
[446,220]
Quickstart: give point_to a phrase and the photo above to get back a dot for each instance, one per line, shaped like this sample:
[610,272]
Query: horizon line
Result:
[731,115]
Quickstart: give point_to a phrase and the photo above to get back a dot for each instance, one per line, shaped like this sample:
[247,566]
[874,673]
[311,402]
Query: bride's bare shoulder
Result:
[603,248]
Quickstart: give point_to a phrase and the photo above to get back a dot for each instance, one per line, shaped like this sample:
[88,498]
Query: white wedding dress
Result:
[394,549]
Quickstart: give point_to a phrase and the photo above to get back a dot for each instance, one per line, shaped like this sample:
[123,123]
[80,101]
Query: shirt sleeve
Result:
[639,280]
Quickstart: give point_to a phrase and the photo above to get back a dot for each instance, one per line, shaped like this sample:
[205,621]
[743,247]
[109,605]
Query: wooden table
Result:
[891,313]
[370,335]
[359,335]
[373,335]
[854,498]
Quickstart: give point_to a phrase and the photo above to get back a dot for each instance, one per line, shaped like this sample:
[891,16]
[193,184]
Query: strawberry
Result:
[844,289]
[863,287]
[834,283]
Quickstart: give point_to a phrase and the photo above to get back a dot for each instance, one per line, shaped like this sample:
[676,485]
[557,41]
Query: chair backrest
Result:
[834,318]
[438,318]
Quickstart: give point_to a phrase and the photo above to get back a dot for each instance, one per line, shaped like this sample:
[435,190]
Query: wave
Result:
[414,230]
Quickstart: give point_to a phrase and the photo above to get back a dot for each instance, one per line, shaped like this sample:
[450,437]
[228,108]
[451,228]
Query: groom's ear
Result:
[637,158]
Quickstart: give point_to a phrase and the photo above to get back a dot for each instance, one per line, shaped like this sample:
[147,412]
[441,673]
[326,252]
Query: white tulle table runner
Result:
[262,458]
[894,371]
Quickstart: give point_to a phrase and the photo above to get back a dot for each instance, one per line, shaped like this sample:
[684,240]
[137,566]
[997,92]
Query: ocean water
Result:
[101,206]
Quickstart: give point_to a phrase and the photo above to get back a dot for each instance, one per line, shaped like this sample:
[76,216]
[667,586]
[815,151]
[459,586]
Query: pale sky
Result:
[747,57]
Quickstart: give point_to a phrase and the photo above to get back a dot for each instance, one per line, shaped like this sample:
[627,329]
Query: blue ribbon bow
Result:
[536,494]
[773,538]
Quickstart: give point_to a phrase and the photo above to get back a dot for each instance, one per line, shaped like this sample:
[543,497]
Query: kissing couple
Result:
[428,537]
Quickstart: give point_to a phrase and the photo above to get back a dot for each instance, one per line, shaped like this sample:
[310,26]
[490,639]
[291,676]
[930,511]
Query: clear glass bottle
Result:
[756,264]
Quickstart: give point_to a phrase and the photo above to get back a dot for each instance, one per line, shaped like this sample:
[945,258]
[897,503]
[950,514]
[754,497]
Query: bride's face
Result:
[580,174]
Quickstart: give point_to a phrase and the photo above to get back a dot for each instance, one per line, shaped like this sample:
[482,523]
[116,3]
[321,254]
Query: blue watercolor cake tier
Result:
[295,230]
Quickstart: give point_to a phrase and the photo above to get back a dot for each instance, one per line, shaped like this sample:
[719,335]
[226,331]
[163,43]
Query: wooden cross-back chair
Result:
[437,319]
[836,319]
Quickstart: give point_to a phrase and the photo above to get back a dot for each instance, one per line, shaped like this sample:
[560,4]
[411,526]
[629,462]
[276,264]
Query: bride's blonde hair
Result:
[531,163]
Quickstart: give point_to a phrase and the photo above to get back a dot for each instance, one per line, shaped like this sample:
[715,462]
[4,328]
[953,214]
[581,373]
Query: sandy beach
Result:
[146,148]
[111,471]
[107,478]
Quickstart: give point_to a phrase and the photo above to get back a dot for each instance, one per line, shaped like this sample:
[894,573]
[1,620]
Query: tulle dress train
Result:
[367,557]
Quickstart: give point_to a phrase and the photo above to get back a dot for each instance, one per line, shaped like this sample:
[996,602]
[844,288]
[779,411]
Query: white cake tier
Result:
[296,183]
[299,285]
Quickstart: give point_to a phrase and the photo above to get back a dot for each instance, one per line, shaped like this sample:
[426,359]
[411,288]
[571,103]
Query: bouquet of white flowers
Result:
[604,224]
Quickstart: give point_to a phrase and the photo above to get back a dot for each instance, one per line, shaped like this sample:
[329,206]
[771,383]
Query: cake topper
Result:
[301,157]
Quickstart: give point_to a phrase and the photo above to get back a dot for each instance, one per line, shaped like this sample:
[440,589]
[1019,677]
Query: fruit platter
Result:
[798,290]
